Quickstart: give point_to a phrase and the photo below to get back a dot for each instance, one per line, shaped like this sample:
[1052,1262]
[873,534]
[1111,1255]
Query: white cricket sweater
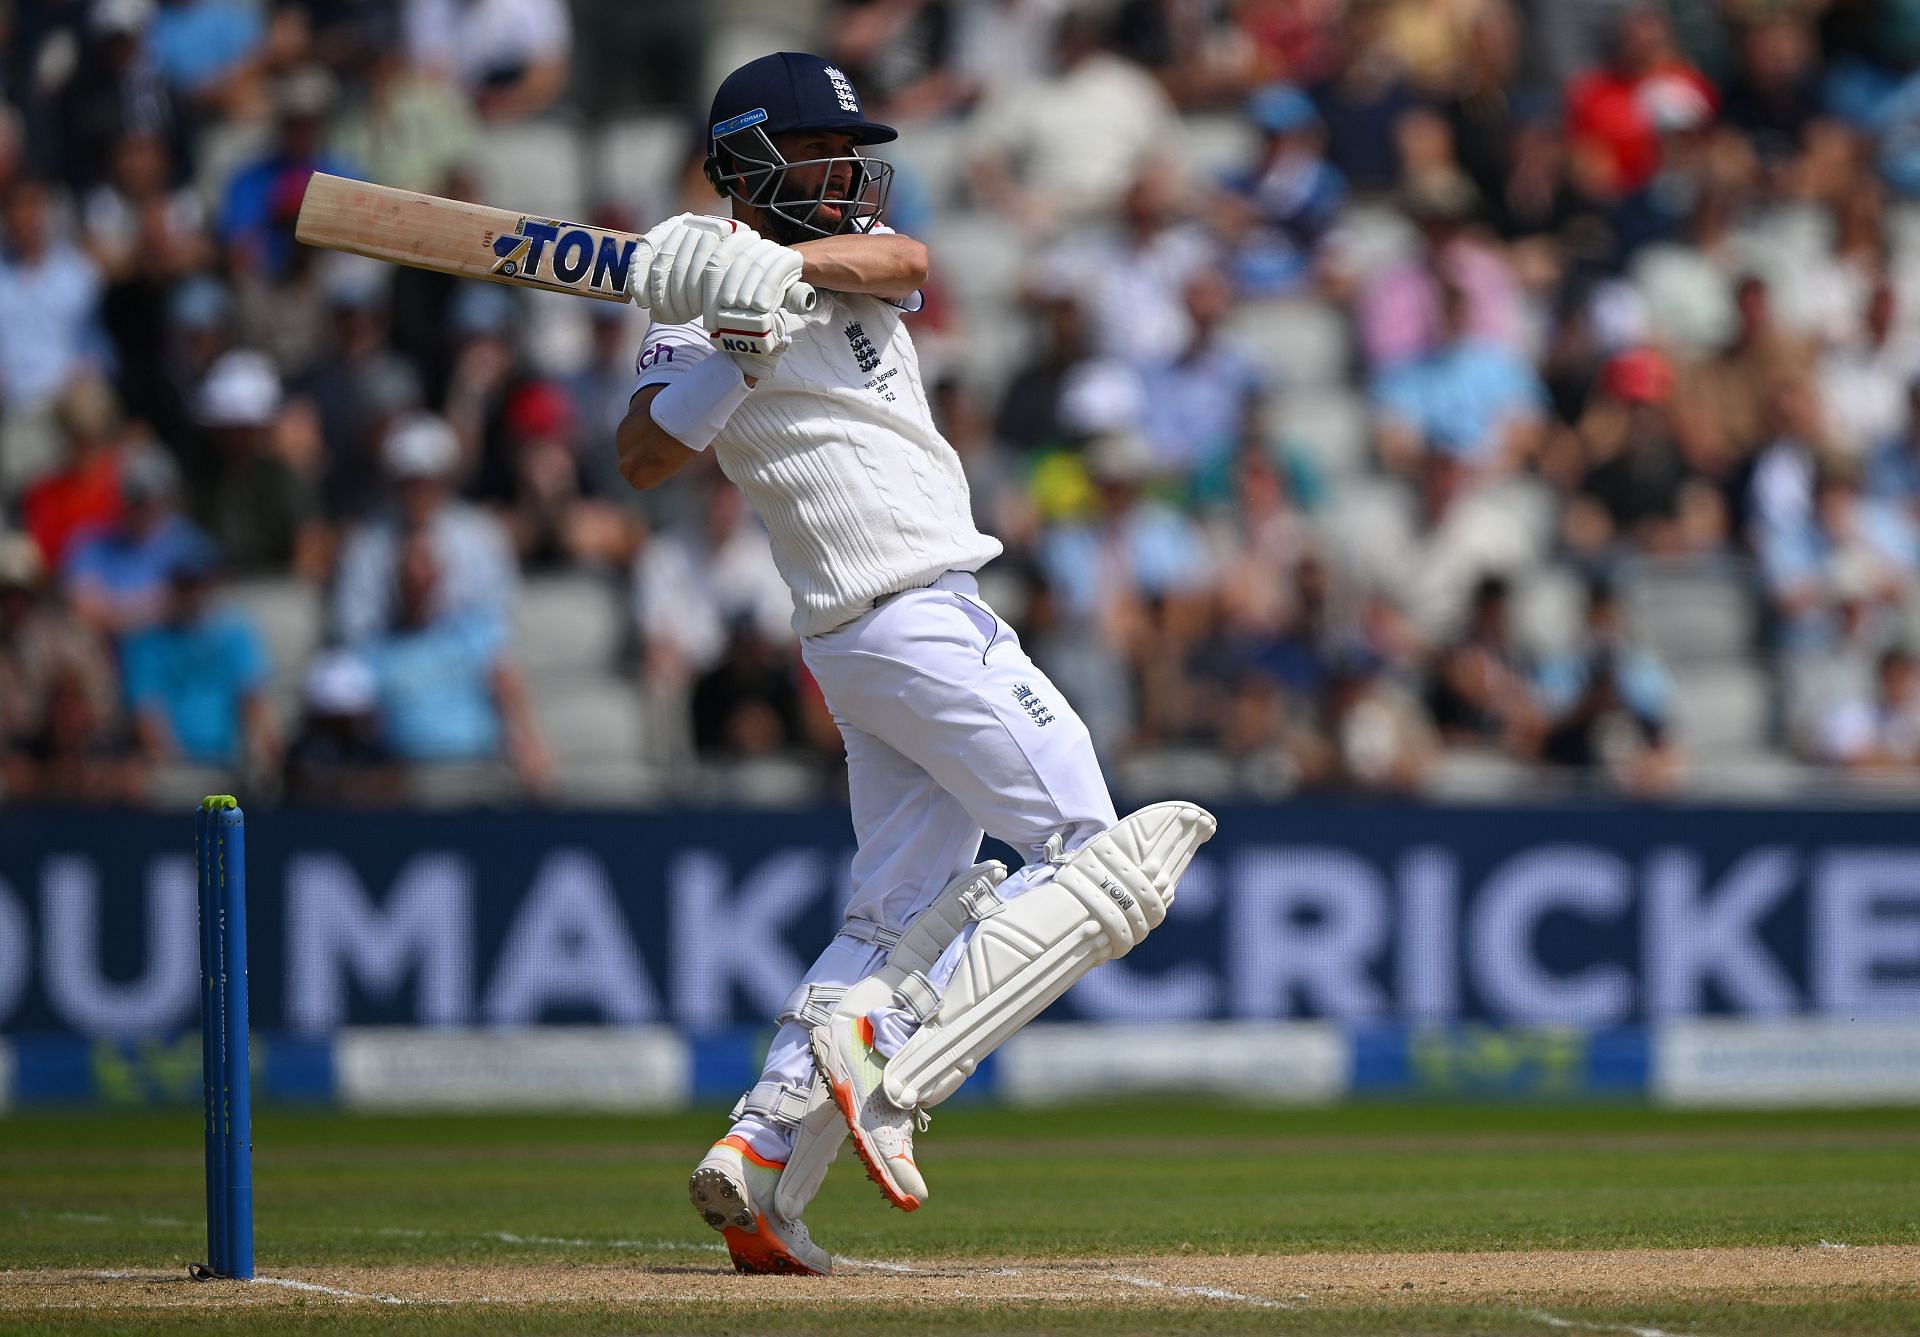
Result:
[839,457]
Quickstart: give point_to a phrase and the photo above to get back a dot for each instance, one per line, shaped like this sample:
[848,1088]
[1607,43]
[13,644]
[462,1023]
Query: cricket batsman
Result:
[950,729]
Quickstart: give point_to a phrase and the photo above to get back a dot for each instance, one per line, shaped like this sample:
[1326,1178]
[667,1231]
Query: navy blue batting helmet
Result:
[778,94]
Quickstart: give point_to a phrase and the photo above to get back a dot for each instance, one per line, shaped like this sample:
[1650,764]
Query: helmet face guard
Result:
[744,165]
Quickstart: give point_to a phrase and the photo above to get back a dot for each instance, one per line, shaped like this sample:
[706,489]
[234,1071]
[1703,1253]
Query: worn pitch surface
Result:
[1129,1217]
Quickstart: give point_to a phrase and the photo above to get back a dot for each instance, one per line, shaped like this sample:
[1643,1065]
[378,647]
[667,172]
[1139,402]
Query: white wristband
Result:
[694,408]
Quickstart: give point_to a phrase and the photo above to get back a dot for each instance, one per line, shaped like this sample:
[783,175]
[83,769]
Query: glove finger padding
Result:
[685,261]
[758,276]
[679,292]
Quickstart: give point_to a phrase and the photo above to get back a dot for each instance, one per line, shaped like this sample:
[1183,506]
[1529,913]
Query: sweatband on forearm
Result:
[694,408]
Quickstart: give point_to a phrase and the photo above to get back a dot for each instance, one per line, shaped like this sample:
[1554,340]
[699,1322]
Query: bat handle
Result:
[800,298]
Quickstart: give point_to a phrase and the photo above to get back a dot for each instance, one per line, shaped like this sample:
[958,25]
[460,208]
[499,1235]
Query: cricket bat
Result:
[475,241]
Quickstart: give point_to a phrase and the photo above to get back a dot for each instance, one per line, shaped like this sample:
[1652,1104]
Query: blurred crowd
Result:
[1372,395]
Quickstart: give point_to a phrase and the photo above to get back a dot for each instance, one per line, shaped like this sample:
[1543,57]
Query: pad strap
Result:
[981,901]
[781,1102]
[865,930]
[811,1003]
[917,995]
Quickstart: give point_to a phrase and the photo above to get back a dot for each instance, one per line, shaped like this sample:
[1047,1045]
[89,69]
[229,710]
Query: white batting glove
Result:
[757,276]
[753,339]
[685,264]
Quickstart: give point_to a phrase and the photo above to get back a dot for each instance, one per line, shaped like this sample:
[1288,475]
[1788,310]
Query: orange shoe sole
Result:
[750,1240]
[862,1147]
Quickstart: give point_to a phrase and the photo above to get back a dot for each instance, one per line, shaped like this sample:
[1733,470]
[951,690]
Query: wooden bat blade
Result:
[474,241]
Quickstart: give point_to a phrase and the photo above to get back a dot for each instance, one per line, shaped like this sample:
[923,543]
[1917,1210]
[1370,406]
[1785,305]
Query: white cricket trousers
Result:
[951,731]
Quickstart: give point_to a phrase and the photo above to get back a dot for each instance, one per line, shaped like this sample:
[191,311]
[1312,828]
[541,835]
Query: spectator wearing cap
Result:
[116,578]
[1608,705]
[532,473]
[509,55]
[1470,396]
[1279,208]
[340,757]
[83,493]
[262,200]
[59,697]
[248,496]
[49,331]
[447,692]
[1635,490]
[196,681]
[476,575]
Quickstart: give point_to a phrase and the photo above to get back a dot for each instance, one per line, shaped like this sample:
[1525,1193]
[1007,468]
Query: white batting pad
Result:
[1104,900]
[816,1142]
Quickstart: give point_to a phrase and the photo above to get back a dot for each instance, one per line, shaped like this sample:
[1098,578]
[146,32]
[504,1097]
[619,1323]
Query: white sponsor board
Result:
[1813,1061]
[1299,1062]
[625,1068]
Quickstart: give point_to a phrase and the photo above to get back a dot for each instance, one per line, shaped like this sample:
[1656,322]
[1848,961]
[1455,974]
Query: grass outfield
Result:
[1129,1217]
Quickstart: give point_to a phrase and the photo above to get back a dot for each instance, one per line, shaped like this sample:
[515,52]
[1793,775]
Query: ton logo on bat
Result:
[574,251]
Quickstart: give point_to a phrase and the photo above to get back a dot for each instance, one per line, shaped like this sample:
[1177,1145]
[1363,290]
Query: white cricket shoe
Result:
[853,1070]
[732,1189]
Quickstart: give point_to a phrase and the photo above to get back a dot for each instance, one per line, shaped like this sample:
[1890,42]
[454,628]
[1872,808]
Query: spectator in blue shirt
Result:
[204,46]
[1840,570]
[117,578]
[1893,469]
[446,689]
[196,682]
[1283,204]
[1470,397]
[49,331]
[1200,406]
[262,201]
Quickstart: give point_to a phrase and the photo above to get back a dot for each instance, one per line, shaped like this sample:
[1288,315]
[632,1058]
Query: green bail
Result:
[219,802]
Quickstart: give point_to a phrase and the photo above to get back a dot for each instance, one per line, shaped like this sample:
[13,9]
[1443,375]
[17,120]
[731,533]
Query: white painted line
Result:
[316,1288]
[1833,1244]
[1204,1292]
[1555,1321]
[875,1264]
